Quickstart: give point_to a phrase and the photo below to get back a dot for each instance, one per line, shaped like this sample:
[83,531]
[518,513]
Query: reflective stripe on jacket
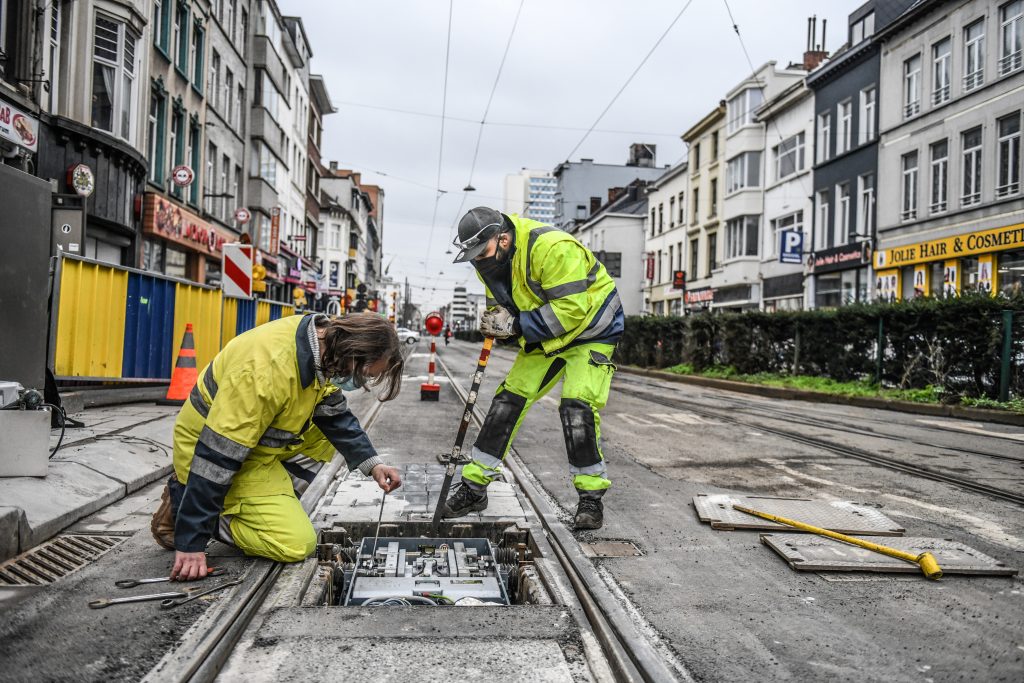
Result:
[563,293]
[257,404]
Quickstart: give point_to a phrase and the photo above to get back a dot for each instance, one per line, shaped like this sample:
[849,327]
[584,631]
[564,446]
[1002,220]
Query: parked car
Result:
[408,336]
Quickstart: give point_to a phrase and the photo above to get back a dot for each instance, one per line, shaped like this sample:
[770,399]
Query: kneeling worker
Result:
[548,289]
[265,414]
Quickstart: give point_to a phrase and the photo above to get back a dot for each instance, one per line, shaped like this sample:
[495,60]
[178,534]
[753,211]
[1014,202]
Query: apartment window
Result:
[714,146]
[658,276]
[696,157]
[741,108]
[194,138]
[225,175]
[198,39]
[824,236]
[696,204]
[264,163]
[741,236]
[53,65]
[268,95]
[789,156]
[236,187]
[210,178]
[229,90]
[824,145]
[868,108]
[177,142]
[113,77]
[229,17]
[682,210]
[912,86]
[712,252]
[793,221]
[971,144]
[909,187]
[939,151]
[842,221]
[661,218]
[654,220]
[671,212]
[1011,36]
[866,207]
[161,14]
[862,28]
[942,70]
[155,138]
[181,37]
[743,171]
[694,255]
[213,93]
[243,29]
[844,126]
[974,55]
[713,207]
[671,260]
[1008,151]
[239,114]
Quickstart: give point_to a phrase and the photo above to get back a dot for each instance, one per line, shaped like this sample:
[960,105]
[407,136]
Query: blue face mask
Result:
[345,383]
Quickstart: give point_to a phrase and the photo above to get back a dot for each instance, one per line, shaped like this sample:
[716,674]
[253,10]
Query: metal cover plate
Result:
[837,515]
[610,549]
[816,553]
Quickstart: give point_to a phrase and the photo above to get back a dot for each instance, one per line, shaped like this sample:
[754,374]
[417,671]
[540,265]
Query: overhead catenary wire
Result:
[630,79]
[444,104]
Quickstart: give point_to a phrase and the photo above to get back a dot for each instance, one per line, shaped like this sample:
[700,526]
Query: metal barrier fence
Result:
[114,323]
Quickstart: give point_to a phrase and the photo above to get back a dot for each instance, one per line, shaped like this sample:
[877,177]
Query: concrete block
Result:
[11,521]
[133,463]
[503,507]
[69,492]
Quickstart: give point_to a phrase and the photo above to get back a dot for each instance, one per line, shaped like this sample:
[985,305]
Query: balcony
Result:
[265,56]
[911,109]
[974,80]
[261,194]
[262,125]
[970,199]
[908,214]
[1010,62]
[940,95]
[1007,190]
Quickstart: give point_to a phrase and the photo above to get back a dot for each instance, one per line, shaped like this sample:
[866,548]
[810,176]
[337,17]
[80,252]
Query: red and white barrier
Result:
[431,391]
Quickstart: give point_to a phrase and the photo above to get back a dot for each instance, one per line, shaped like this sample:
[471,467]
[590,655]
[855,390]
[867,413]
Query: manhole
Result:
[56,558]
[610,549]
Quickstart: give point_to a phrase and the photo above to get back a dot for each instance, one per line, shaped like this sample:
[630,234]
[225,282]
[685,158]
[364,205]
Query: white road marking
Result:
[973,430]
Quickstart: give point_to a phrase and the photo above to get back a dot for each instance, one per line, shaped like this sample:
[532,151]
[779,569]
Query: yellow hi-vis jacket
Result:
[562,292]
[259,402]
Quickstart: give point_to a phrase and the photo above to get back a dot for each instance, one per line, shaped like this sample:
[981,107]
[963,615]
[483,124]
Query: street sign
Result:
[182,175]
[242,215]
[275,229]
[237,271]
[791,247]
[679,279]
[81,179]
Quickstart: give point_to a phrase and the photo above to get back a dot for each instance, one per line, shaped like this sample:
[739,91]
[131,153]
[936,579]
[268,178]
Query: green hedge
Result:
[952,343]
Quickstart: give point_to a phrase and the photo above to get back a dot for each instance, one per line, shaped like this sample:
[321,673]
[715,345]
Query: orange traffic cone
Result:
[185,372]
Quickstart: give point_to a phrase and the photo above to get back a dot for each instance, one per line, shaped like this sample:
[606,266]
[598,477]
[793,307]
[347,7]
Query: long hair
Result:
[354,342]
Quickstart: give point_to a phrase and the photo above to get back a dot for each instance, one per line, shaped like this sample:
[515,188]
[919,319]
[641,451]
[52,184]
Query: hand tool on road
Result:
[453,461]
[107,602]
[926,561]
[174,602]
[132,583]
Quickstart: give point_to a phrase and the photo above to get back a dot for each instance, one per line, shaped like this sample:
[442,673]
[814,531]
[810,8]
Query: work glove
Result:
[498,322]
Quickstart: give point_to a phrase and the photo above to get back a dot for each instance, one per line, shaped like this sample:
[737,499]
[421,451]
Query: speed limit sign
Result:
[242,215]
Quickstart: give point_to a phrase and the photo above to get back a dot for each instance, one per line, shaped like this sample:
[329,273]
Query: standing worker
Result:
[549,290]
[270,402]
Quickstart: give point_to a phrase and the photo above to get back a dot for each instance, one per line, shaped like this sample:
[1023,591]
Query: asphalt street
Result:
[730,609]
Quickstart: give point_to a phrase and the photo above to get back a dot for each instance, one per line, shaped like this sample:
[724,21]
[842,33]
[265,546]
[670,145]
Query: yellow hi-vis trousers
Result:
[275,527]
[587,371]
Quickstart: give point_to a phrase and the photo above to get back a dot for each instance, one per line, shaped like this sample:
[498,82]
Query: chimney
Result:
[813,55]
[334,166]
[641,154]
[614,193]
[595,204]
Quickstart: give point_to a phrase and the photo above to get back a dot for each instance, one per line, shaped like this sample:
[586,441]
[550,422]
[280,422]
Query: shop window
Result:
[153,255]
[213,275]
[1011,273]
[175,263]
[936,275]
[969,274]
[828,291]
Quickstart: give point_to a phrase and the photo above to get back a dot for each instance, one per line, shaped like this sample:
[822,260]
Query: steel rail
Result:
[874,458]
[630,654]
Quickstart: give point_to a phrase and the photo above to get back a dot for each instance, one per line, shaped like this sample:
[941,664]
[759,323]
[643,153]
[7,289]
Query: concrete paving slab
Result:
[132,463]
[11,521]
[130,514]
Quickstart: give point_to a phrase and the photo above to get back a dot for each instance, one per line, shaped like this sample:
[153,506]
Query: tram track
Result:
[839,449]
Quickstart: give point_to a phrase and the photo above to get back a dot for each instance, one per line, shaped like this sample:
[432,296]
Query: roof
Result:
[319,94]
[668,175]
[713,117]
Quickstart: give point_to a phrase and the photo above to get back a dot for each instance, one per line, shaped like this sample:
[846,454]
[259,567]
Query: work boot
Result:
[589,511]
[162,524]
[465,500]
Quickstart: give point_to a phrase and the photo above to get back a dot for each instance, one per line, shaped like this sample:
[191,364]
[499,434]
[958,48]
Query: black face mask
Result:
[497,265]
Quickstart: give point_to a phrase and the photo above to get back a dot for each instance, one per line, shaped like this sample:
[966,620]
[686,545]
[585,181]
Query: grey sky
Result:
[567,60]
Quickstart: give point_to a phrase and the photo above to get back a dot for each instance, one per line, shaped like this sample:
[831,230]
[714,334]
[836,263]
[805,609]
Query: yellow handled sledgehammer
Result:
[926,561]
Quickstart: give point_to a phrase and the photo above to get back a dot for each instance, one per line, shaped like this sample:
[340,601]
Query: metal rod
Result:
[376,534]
[467,417]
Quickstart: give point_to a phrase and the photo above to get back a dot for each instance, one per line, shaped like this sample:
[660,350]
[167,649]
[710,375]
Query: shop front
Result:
[698,299]
[178,243]
[840,275]
[743,297]
[989,261]
[784,293]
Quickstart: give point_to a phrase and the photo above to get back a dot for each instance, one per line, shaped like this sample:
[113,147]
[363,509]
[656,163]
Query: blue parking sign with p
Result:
[791,250]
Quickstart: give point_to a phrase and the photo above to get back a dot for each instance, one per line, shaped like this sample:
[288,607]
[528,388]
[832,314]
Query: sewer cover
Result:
[610,549]
[55,559]
[817,553]
[836,515]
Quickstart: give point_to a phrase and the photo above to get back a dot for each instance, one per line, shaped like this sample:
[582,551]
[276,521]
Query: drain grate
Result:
[55,559]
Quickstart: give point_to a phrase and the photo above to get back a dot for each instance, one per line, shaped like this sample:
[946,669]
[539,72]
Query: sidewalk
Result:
[121,450]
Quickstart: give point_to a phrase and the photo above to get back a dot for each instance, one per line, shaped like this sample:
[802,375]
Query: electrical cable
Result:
[63,424]
[444,105]
[630,79]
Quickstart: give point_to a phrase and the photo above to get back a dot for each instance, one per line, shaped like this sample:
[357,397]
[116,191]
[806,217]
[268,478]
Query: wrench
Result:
[131,583]
[174,601]
[107,602]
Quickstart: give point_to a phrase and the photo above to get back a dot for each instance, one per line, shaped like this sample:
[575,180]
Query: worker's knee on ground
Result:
[500,423]
[291,542]
[295,545]
[580,429]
